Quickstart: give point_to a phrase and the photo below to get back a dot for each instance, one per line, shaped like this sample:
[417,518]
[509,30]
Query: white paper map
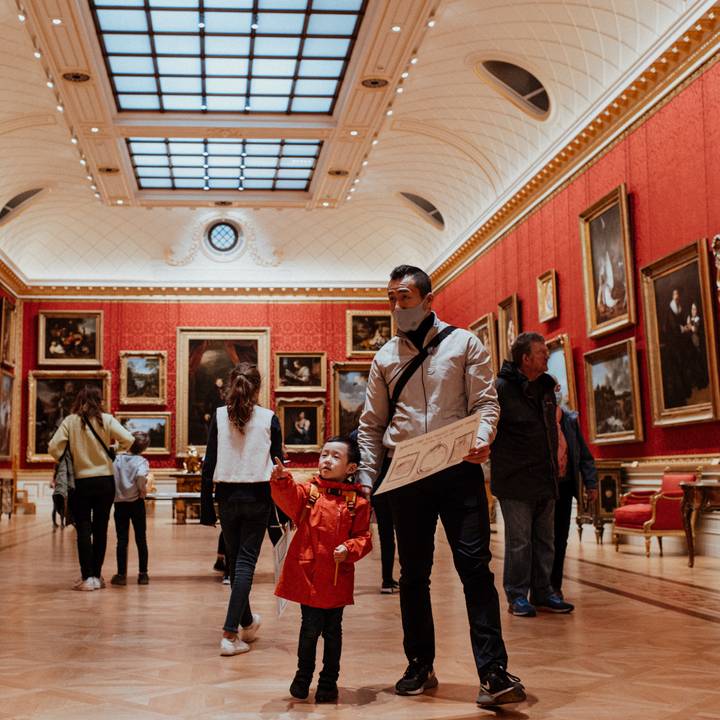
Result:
[427,454]
[279,553]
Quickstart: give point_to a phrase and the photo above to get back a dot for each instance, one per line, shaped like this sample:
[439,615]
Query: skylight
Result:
[249,56]
[219,164]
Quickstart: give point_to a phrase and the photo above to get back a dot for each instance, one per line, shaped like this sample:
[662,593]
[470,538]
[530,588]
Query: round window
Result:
[223,237]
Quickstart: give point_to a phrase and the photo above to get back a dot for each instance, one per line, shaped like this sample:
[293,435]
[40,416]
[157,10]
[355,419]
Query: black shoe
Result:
[326,692]
[219,565]
[388,588]
[300,686]
[118,580]
[499,687]
[555,603]
[143,579]
[416,680]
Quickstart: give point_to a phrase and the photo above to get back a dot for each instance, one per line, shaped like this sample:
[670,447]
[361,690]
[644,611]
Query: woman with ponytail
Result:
[242,440]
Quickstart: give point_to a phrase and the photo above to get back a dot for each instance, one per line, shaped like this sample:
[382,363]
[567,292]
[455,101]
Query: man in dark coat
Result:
[525,475]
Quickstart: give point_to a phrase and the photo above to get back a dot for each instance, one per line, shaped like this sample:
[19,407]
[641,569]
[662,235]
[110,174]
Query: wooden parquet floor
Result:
[643,643]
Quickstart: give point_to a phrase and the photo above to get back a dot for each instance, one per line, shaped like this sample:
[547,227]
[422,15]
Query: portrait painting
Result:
[300,371]
[155,425]
[547,296]
[51,394]
[508,326]
[7,333]
[484,329]
[367,331]
[6,402]
[143,377]
[560,366]
[205,358]
[70,338]
[613,394]
[608,264]
[303,423]
[680,331]
[350,381]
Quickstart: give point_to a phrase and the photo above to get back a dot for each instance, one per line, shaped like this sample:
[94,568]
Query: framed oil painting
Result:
[67,337]
[608,264]
[51,394]
[143,377]
[205,357]
[349,386]
[300,371]
[613,394]
[680,331]
[7,334]
[367,331]
[547,296]
[560,366]
[156,425]
[484,329]
[6,402]
[508,326]
[303,423]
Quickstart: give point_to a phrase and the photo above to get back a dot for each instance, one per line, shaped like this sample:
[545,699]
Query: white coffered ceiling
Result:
[452,138]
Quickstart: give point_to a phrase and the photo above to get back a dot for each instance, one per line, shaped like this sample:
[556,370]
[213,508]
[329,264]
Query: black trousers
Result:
[457,497]
[126,513]
[317,622]
[92,501]
[563,510]
[386,533]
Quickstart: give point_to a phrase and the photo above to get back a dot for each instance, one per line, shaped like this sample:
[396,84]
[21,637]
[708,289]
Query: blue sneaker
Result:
[555,603]
[520,606]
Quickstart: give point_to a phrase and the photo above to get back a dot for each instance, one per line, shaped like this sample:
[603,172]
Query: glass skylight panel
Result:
[220,164]
[247,56]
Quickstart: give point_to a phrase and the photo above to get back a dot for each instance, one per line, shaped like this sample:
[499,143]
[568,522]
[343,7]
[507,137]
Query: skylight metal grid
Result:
[249,56]
[220,164]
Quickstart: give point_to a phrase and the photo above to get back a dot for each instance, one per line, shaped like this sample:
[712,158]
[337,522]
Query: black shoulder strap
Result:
[98,438]
[413,365]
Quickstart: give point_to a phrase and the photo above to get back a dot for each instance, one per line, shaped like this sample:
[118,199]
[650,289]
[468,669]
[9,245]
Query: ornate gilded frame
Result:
[166,448]
[349,315]
[321,356]
[508,310]
[7,333]
[548,278]
[45,315]
[562,344]
[161,355]
[281,406]
[696,253]
[487,322]
[7,397]
[337,368]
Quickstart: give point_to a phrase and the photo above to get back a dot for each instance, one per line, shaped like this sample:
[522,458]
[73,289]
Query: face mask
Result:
[409,319]
[558,398]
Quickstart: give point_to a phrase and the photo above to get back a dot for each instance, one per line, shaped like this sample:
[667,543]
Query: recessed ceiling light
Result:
[389,113]
[74,140]
[57,21]
[206,177]
[50,84]
[205,153]
[83,162]
[349,197]
[206,187]
[97,194]
[59,107]
[254,26]
[353,132]
[365,162]
[375,142]
[352,189]
[413,61]
[396,28]
[356,181]
[243,154]
[205,166]
[21,17]
[431,23]
[241,188]
[247,107]
[203,107]
[88,177]
[399,90]
[95,129]
[201,25]
[93,187]
[326,204]
[37,54]
[119,202]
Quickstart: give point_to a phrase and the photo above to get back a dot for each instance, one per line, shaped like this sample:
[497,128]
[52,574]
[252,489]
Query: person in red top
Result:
[333,532]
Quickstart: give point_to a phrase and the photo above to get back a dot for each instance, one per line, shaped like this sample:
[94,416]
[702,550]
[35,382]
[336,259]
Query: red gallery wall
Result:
[129,325]
[671,167]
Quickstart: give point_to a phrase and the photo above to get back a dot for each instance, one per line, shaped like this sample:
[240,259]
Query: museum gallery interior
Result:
[188,184]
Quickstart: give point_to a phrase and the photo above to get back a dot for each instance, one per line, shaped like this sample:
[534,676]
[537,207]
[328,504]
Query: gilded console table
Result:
[184,483]
[697,497]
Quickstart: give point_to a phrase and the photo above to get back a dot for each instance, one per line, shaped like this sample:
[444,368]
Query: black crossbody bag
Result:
[110,452]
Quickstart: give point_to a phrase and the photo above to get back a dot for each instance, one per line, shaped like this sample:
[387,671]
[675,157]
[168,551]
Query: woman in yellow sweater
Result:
[88,432]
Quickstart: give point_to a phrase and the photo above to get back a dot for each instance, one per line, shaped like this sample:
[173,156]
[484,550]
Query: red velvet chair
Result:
[651,513]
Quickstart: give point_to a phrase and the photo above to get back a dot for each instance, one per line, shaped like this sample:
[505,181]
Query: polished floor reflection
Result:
[643,643]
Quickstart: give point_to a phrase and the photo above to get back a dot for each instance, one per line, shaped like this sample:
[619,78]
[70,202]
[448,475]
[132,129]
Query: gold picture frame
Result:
[613,394]
[143,377]
[50,397]
[560,366]
[366,331]
[7,333]
[160,437]
[547,296]
[680,331]
[608,264]
[300,371]
[302,421]
[484,330]
[508,327]
[349,386]
[70,337]
[7,384]
[204,358]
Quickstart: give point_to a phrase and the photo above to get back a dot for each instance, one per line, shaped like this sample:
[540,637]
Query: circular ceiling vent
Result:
[338,172]
[108,170]
[374,83]
[76,77]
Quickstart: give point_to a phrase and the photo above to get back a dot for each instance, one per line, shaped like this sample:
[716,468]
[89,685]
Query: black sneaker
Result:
[416,680]
[143,579]
[118,579]
[300,686]
[555,603]
[219,565]
[388,588]
[499,687]
[326,692]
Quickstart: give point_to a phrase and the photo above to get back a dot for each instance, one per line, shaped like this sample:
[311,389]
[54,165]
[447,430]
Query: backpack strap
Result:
[313,495]
[110,454]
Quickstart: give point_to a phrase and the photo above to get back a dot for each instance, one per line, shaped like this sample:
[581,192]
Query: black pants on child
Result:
[125,513]
[91,502]
[316,622]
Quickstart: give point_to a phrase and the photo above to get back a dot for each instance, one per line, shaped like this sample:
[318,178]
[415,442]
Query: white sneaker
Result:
[249,633]
[85,585]
[99,583]
[233,647]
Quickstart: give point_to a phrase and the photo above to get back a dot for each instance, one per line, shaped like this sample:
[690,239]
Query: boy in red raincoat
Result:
[333,532]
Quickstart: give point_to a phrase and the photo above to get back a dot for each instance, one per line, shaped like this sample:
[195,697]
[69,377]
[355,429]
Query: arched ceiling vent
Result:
[14,204]
[428,210]
[518,85]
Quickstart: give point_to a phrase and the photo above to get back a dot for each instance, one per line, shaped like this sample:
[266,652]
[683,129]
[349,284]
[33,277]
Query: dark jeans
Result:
[243,527]
[316,622]
[563,511]
[125,513]
[457,497]
[529,547]
[92,501]
[386,533]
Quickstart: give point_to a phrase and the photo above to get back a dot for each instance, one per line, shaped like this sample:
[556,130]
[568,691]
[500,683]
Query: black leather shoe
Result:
[326,693]
[417,679]
[300,686]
